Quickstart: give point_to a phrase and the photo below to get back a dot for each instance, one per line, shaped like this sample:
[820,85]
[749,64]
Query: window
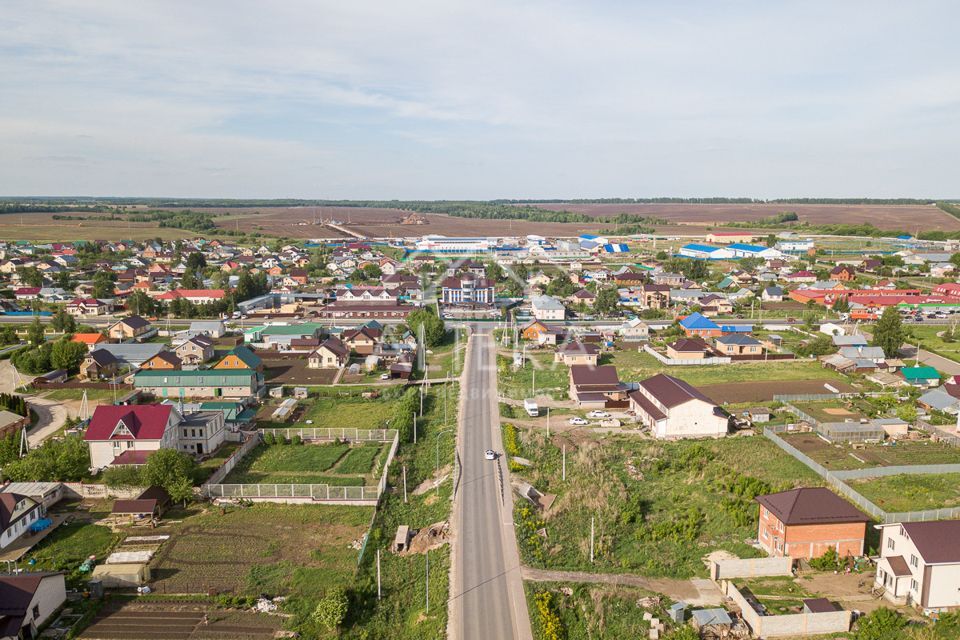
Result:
[913,585]
[890,544]
[914,561]
[36,612]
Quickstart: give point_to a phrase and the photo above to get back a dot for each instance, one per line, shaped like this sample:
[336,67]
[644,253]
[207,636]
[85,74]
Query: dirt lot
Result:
[167,621]
[873,455]
[738,392]
[295,371]
[907,217]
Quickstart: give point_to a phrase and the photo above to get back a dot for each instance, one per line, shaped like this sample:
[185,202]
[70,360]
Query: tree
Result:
[30,276]
[841,305]
[62,460]
[433,327]
[67,355]
[168,468]
[181,490]
[955,259]
[142,304]
[8,335]
[907,412]
[196,262]
[332,609]
[889,334]
[35,333]
[372,271]
[881,624]
[607,302]
[103,284]
[63,321]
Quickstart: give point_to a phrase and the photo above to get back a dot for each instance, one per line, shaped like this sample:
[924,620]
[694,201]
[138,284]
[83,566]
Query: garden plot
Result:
[175,621]
[293,550]
[846,456]
[334,463]
[900,493]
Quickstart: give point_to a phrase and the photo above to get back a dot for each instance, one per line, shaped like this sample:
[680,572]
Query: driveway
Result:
[696,592]
[51,414]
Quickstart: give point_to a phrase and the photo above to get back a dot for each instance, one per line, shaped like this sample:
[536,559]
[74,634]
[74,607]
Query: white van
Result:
[531,407]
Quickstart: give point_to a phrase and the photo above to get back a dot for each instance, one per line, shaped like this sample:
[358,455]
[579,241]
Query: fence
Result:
[835,479]
[350,435]
[224,470]
[793,624]
[750,567]
[316,492]
[689,363]
[882,472]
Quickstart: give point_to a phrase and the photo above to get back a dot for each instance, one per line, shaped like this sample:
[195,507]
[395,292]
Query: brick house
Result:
[362,341]
[804,523]
[843,273]
[737,344]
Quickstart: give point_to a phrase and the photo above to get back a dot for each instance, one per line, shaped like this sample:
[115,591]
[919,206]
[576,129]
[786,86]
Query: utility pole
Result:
[591,540]
[404,484]
[378,574]
[564,462]
[548,422]
[428,582]
[421,400]
[414,427]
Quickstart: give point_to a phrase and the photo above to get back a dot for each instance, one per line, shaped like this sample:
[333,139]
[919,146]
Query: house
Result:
[673,409]
[583,297]
[873,354]
[533,330]
[738,344]
[921,376]
[547,308]
[361,341]
[772,294]
[98,365]
[201,432]
[11,422]
[801,277]
[572,353]
[131,328]
[697,324]
[467,289]
[805,523]
[596,387]
[843,273]
[210,383]
[704,252]
[196,296]
[89,339]
[920,564]
[240,357]
[212,328]
[713,304]
[131,431]
[87,307]
[17,513]
[331,354]
[195,350]
[688,349]
[165,361]
[28,601]
[634,330]
[653,296]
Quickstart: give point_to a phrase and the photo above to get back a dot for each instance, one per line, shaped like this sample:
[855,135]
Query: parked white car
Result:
[578,421]
[598,414]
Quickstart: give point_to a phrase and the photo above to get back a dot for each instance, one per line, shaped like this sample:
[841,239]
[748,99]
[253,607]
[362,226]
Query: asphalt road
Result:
[487,598]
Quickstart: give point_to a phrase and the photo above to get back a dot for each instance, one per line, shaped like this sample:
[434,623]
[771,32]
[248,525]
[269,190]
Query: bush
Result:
[881,624]
[268,439]
[296,439]
[829,561]
[510,442]
[550,624]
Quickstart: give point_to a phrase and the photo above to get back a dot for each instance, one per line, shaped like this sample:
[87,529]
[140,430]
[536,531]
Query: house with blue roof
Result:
[704,252]
[741,250]
[616,248]
[697,324]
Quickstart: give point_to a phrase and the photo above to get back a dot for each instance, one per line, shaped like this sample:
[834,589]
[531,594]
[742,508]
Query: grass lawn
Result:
[69,545]
[298,551]
[211,464]
[635,365]
[659,507]
[308,464]
[912,492]
[351,412]
[446,357]
[780,595]
[551,378]
[832,411]
[930,341]
[62,395]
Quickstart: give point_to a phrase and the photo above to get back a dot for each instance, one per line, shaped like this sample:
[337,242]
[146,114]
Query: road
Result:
[486,595]
[51,415]
[909,352]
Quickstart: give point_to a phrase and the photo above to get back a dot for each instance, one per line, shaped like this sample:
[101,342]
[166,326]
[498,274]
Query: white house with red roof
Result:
[196,296]
[128,434]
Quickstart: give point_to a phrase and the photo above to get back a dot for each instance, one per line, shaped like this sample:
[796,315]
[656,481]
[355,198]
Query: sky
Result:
[476,100]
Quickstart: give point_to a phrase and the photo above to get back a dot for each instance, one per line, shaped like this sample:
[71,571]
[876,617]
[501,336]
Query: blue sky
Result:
[446,99]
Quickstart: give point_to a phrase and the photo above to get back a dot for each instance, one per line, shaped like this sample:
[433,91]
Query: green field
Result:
[539,372]
[446,357]
[635,365]
[912,492]
[105,395]
[69,545]
[930,341]
[351,412]
[658,507]
[589,611]
[309,464]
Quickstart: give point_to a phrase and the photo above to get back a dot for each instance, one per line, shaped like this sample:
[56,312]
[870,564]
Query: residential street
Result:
[51,415]
[487,597]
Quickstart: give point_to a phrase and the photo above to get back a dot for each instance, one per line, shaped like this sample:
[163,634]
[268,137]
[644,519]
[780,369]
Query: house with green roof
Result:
[918,376]
[201,383]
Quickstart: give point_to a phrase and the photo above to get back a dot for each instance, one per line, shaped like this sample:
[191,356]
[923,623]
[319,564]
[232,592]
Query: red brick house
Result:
[843,273]
[804,523]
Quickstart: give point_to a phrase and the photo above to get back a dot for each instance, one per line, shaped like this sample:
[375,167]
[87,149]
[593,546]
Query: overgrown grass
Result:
[69,545]
[591,611]
[307,464]
[912,492]
[658,507]
[539,374]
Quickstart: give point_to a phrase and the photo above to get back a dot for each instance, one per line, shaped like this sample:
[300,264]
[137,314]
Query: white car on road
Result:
[578,421]
[598,414]
[490,454]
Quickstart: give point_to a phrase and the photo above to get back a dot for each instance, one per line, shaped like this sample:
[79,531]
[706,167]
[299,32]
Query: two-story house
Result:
[920,564]
[673,409]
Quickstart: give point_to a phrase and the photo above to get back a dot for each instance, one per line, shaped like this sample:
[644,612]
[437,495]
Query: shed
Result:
[759,414]
[851,431]
[300,393]
[818,605]
[402,539]
[711,618]
[123,575]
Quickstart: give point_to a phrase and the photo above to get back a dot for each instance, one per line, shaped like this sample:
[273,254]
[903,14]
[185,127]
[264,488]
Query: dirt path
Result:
[696,592]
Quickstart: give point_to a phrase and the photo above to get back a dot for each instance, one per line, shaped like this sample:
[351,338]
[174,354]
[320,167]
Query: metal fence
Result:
[350,435]
[320,492]
[835,479]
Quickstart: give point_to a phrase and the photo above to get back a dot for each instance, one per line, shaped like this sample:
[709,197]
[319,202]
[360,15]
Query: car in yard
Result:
[596,413]
[384,376]
[577,421]
[490,454]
